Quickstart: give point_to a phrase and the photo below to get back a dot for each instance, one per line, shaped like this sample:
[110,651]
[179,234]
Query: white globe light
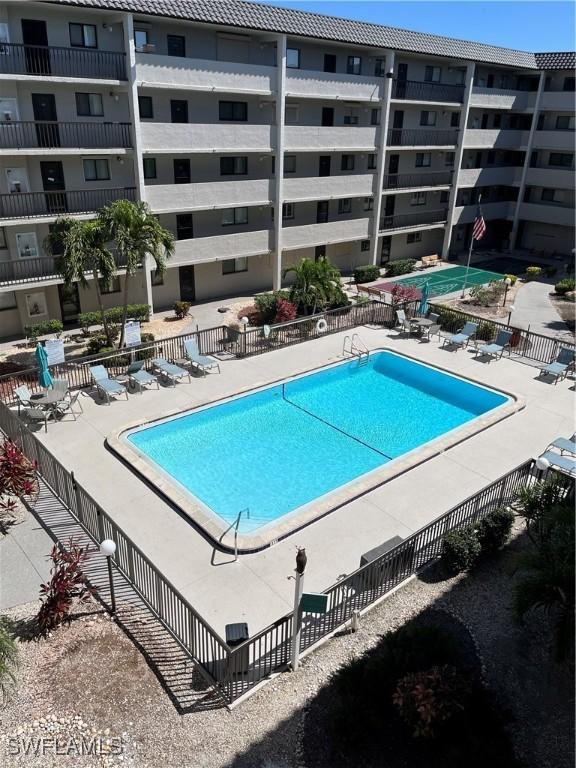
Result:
[542,463]
[108,547]
[511,307]
[244,320]
[508,281]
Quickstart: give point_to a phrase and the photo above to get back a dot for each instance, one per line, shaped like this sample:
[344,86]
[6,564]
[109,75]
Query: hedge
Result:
[43,328]
[139,312]
[366,273]
[564,286]
[400,267]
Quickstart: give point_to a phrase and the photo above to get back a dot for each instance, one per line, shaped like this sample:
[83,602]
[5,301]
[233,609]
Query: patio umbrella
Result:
[424,299]
[43,373]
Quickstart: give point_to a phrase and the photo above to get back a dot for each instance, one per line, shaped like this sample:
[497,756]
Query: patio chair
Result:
[564,463]
[23,396]
[139,378]
[61,385]
[105,386]
[462,338]
[564,444]
[66,406]
[202,362]
[432,330]
[402,321]
[169,371]
[559,369]
[433,316]
[38,415]
[496,349]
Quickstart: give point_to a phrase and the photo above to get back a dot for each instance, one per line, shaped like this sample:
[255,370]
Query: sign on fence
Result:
[132,333]
[54,351]
[312,602]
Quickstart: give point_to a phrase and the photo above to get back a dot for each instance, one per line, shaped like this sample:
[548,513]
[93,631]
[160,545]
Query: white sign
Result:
[132,334]
[54,350]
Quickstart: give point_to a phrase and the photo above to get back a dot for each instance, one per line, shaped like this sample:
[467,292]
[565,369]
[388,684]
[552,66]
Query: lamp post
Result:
[507,283]
[301,561]
[244,321]
[511,309]
[542,465]
[108,548]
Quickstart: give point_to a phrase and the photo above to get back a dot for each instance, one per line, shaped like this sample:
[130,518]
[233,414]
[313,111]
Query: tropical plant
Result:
[8,658]
[83,246]
[316,286]
[140,312]
[17,475]
[285,311]
[404,294]
[266,304]
[136,234]
[486,331]
[533,272]
[67,584]
[181,309]
[493,531]
[33,332]
[460,549]
[540,504]
[564,286]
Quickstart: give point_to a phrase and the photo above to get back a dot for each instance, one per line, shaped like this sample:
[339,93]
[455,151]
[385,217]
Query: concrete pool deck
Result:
[257,588]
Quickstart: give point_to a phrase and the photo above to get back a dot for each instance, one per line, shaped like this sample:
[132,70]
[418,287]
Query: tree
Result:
[84,250]
[316,286]
[136,234]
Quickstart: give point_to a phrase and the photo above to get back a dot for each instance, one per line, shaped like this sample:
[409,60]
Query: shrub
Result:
[181,309]
[486,331]
[512,278]
[400,267]
[252,313]
[267,306]
[33,332]
[285,311]
[493,531]
[146,354]
[140,312]
[533,272]
[8,658]
[404,294]
[428,698]
[366,273]
[460,549]
[550,270]
[450,320]
[96,344]
[17,472]
[67,584]
[565,286]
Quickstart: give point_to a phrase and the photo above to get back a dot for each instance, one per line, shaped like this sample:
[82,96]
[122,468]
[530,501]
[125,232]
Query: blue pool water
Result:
[278,449]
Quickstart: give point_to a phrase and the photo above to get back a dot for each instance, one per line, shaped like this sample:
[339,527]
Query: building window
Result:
[427,117]
[560,160]
[444,195]
[156,278]
[109,286]
[232,266]
[351,118]
[418,198]
[423,159]
[374,116]
[347,163]
[234,216]
[497,121]
[368,203]
[27,245]
[288,210]
[89,105]
[293,58]
[432,74]
[289,163]
[176,45]
[380,68]
[292,114]
[364,245]
[565,123]
[233,166]
[8,301]
[319,252]
[414,237]
[184,226]
[449,159]
[233,110]
[569,84]
[140,39]
[83,36]
[96,170]
[354,65]
[149,167]
[145,107]
[552,195]
[455,120]
[3,238]
[371,165]
[344,206]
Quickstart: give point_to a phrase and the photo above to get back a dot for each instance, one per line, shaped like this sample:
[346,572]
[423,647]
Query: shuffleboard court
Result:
[445,281]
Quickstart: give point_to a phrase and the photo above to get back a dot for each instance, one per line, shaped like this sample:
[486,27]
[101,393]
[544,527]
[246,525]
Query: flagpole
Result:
[469,254]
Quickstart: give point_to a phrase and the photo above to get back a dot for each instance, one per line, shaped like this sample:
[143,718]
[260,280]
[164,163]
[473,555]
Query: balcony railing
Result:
[25,204]
[17,59]
[412,180]
[50,135]
[419,137]
[36,269]
[407,220]
[421,91]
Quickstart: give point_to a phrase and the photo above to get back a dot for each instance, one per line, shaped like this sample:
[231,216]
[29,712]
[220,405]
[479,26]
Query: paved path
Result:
[534,308]
[23,562]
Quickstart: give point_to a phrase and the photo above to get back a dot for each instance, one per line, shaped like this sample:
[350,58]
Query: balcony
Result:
[556,140]
[327,187]
[52,204]
[482,138]
[557,101]
[175,138]
[412,220]
[50,61]
[316,138]
[506,175]
[421,137]
[495,98]
[308,235]
[548,213]
[417,180]
[37,269]
[52,135]
[164,198]
[465,214]
[551,176]
[414,90]
[309,84]
[220,247]
[153,70]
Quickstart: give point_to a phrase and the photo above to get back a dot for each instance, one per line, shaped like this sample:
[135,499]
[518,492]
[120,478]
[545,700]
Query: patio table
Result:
[419,323]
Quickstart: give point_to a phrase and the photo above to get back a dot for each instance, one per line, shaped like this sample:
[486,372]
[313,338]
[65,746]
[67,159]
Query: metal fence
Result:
[22,204]
[427,91]
[42,133]
[18,59]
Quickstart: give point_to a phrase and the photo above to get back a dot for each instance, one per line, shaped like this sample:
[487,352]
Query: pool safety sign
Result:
[132,333]
[54,351]
[312,602]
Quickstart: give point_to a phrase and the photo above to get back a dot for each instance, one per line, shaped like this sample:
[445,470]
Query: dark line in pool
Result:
[332,426]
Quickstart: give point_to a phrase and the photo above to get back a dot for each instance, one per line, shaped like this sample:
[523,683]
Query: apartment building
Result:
[260,135]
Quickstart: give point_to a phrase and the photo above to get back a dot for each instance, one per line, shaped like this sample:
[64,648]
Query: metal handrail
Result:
[47,60]
[236,524]
[427,91]
[56,203]
[422,137]
[50,134]
[404,180]
[405,220]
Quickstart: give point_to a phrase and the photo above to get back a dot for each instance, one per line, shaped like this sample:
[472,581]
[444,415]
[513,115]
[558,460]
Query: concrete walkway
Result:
[534,308]
[24,562]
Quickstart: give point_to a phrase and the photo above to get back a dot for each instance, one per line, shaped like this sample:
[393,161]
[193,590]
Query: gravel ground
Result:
[89,681]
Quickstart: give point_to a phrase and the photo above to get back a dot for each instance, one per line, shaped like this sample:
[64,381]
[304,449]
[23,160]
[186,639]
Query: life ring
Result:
[321,326]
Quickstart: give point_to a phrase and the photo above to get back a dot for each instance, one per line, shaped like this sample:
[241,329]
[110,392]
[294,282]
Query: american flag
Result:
[479,226]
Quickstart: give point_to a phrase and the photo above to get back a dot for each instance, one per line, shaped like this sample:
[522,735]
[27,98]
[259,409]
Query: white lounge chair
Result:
[23,397]
[169,371]
[564,463]
[139,378]
[496,349]
[564,445]
[462,338]
[202,362]
[105,386]
[559,369]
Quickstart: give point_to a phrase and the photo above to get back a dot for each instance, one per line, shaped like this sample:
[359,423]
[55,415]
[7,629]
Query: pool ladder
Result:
[354,346]
[236,525]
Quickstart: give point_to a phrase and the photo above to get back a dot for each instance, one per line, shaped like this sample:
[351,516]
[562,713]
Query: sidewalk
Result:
[24,562]
[532,307]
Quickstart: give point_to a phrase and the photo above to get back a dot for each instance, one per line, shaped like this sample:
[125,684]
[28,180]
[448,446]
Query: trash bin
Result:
[235,635]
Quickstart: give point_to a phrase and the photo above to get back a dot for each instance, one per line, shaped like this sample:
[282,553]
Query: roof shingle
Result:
[556,60]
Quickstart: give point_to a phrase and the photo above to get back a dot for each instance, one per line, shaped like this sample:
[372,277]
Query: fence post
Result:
[76,489]
[100,525]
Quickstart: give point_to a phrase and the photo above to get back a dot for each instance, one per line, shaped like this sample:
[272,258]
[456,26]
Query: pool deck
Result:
[257,588]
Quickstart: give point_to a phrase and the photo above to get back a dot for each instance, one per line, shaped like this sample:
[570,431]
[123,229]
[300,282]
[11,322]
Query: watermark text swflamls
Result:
[39,746]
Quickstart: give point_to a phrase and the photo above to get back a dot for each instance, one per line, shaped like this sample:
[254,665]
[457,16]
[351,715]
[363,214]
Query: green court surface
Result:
[451,280]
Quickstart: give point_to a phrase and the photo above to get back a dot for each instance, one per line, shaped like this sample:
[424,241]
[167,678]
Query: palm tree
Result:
[316,285]
[136,233]
[84,251]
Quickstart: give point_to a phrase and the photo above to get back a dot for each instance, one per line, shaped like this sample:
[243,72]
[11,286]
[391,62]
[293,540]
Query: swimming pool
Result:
[306,443]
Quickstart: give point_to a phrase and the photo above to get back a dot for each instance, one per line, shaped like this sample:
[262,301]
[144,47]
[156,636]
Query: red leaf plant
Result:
[17,474]
[67,583]
[285,311]
[403,294]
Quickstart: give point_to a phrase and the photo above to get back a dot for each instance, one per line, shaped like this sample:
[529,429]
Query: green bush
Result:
[33,332]
[533,272]
[8,658]
[267,306]
[146,354]
[140,312]
[486,331]
[450,320]
[96,344]
[366,273]
[460,549]
[493,531]
[564,286]
[400,267]
[181,309]
[512,278]
[550,270]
